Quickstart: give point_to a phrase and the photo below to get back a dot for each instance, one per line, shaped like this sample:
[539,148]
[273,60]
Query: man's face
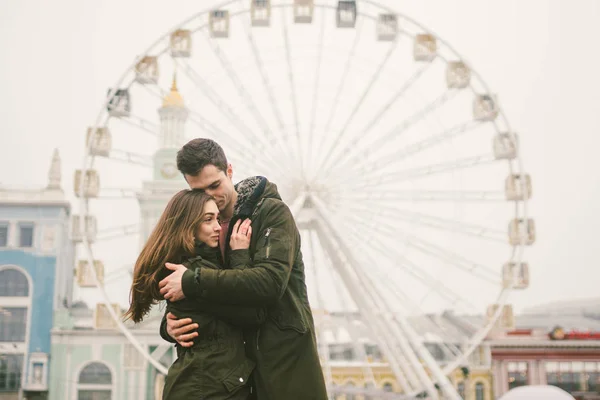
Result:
[215,183]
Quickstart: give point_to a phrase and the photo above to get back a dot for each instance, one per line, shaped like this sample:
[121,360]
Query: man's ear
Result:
[229,171]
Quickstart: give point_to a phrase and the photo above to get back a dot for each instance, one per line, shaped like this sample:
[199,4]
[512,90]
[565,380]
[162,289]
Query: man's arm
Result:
[239,315]
[266,280]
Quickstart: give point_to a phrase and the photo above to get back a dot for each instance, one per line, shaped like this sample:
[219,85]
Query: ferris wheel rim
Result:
[519,249]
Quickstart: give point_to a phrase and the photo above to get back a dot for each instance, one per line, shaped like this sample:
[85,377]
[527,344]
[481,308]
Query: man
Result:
[284,347]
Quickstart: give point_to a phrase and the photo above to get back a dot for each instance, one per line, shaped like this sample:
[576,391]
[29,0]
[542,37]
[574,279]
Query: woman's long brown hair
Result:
[172,240]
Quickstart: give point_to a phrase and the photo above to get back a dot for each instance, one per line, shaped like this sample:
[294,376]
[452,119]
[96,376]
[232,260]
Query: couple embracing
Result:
[227,260]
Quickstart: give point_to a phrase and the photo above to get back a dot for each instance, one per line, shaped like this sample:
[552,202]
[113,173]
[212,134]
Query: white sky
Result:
[59,57]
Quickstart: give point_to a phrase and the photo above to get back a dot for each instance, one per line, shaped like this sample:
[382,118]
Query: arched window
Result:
[13,319]
[479,391]
[387,387]
[95,382]
[13,283]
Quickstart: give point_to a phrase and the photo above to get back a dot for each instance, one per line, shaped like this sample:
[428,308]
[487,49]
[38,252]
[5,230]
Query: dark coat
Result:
[216,367]
[284,347]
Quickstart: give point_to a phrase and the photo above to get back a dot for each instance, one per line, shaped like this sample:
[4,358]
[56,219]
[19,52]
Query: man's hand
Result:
[181,330]
[170,287]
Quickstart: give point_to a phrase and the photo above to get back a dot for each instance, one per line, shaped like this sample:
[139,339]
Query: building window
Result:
[3,234]
[460,388]
[25,235]
[350,396]
[37,378]
[11,366]
[373,352]
[341,352]
[13,324]
[568,376]
[13,283]
[94,383]
[479,391]
[517,374]
[592,374]
[387,387]
[436,351]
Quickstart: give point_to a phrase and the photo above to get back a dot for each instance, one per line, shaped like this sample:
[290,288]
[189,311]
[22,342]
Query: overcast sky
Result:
[540,56]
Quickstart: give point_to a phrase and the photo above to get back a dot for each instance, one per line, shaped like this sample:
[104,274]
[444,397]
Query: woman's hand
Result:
[240,235]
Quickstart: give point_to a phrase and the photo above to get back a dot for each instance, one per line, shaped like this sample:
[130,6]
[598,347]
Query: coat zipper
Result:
[268,243]
[267,253]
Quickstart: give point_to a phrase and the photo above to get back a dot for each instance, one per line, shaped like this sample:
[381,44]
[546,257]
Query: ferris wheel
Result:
[396,158]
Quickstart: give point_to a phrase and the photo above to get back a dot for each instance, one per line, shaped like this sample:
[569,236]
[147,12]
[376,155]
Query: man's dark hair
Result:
[198,153]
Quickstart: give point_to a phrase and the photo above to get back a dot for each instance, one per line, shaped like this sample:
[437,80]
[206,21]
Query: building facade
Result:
[36,276]
[555,345]
[96,361]
[167,180]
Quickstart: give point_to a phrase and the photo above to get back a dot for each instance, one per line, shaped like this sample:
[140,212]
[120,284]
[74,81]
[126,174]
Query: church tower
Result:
[166,180]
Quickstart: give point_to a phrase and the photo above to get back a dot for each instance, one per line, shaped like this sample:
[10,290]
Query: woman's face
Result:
[209,228]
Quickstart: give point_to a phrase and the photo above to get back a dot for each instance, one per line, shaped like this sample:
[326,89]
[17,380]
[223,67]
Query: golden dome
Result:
[173,99]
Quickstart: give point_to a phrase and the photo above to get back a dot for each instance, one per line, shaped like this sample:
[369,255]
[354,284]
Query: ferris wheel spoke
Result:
[243,93]
[294,96]
[375,242]
[413,79]
[220,104]
[450,349]
[402,261]
[315,97]
[197,119]
[156,91]
[350,153]
[338,294]
[477,231]
[397,358]
[393,177]
[244,153]
[404,264]
[128,157]
[117,232]
[407,340]
[140,123]
[426,247]
[347,65]
[270,94]
[400,93]
[322,162]
[413,149]
[321,321]
[426,195]
[124,272]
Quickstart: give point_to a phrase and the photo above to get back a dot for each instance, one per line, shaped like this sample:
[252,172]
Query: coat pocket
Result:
[287,323]
[238,376]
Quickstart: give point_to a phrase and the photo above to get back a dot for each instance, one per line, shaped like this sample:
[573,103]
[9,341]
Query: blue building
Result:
[36,279]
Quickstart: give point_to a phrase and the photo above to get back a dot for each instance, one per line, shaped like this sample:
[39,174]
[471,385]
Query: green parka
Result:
[216,367]
[284,348]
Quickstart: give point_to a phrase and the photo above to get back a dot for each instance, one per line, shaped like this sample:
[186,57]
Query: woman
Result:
[216,366]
